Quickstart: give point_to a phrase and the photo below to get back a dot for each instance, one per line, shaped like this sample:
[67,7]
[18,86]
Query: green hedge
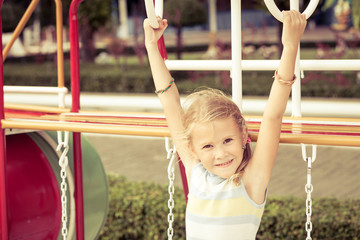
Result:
[139,211]
[134,78]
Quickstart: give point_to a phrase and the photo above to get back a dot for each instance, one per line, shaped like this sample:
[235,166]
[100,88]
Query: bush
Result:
[139,211]
[134,78]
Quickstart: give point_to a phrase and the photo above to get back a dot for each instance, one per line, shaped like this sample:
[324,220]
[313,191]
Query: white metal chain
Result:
[171,156]
[308,188]
[63,146]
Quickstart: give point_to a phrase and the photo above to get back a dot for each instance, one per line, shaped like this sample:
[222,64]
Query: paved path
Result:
[335,171]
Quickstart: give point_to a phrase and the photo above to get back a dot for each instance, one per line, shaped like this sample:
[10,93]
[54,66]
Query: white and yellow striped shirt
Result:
[218,209]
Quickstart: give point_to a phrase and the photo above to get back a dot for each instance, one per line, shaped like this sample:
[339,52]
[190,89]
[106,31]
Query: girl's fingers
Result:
[294,17]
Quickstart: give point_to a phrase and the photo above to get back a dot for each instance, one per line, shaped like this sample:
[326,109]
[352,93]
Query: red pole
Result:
[4,235]
[75,92]
[184,180]
[74,55]
[79,197]
[162,48]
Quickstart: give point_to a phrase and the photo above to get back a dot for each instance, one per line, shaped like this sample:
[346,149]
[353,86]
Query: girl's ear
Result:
[245,135]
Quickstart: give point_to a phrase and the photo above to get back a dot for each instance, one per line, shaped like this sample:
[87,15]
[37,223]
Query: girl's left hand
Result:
[294,24]
[152,35]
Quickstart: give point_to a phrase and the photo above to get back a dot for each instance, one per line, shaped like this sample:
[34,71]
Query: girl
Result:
[227,185]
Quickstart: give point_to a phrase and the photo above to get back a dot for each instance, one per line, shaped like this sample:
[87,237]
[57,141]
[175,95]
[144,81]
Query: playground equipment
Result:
[295,129]
[21,119]
[37,184]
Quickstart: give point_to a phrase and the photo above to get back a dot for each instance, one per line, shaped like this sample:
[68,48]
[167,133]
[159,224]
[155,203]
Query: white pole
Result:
[263,65]
[33,89]
[236,68]
[159,8]
[211,52]
[296,88]
[123,28]
[212,16]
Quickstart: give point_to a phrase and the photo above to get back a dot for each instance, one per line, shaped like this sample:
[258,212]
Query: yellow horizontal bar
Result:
[35,108]
[346,141]
[89,128]
[164,132]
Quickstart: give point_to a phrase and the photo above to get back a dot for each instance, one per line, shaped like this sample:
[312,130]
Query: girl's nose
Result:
[219,152]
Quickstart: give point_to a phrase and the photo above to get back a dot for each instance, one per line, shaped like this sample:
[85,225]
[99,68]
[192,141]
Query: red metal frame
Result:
[162,48]
[75,91]
[34,202]
[3,196]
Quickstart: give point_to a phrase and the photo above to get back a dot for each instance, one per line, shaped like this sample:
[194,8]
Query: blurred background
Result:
[115,76]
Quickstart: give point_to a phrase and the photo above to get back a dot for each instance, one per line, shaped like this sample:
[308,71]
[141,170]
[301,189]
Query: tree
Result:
[184,13]
[93,15]
[11,13]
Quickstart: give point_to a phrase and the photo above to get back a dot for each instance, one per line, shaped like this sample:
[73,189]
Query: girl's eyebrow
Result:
[204,143]
[230,136]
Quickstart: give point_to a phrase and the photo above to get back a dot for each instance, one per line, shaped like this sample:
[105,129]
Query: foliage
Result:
[97,12]
[185,13]
[11,13]
[181,14]
[135,78]
[139,211]
[93,15]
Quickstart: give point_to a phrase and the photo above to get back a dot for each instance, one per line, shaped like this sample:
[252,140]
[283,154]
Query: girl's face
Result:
[218,145]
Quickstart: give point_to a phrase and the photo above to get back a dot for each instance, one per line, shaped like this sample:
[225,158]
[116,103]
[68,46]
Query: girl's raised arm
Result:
[258,173]
[166,90]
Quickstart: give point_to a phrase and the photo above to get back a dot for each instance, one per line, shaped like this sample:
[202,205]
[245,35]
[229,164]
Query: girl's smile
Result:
[225,164]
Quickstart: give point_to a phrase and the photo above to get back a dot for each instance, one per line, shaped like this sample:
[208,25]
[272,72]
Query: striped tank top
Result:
[218,209]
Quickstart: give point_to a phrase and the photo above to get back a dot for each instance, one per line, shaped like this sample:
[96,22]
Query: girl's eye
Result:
[207,146]
[228,140]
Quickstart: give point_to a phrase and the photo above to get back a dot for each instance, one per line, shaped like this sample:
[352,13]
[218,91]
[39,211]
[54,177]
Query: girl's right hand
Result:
[294,24]
[152,35]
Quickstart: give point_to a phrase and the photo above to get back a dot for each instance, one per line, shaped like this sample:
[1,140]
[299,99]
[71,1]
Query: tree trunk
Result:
[87,50]
[178,42]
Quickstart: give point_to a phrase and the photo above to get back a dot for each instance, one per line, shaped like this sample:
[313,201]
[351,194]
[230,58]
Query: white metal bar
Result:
[205,65]
[32,89]
[296,88]
[262,65]
[311,8]
[236,70]
[159,8]
[329,65]
[274,10]
[150,12]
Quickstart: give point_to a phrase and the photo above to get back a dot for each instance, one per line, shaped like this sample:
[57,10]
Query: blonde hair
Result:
[210,104]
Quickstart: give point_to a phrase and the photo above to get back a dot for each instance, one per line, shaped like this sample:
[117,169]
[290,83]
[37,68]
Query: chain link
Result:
[308,189]
[63,147]
[171,155]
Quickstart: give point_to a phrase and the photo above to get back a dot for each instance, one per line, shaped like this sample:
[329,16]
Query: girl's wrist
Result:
[150,46]
[291,47]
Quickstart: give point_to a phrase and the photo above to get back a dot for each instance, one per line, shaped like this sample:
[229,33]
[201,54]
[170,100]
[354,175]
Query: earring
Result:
[244,147]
